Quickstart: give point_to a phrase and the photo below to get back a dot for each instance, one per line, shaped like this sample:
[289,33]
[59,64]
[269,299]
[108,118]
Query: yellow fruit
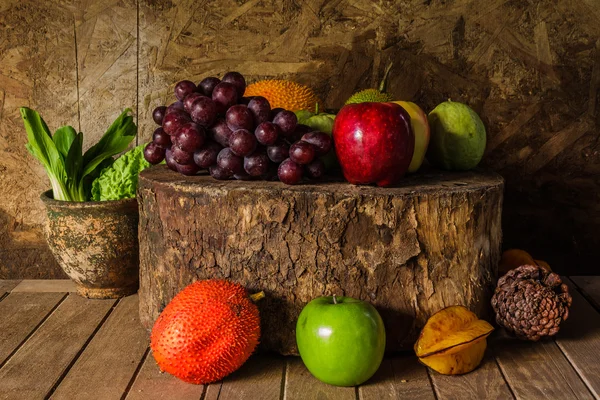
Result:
[514,258]
[285,94]
[453,341]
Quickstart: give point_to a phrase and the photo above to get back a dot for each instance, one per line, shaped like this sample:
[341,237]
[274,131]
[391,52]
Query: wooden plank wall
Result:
[531,69]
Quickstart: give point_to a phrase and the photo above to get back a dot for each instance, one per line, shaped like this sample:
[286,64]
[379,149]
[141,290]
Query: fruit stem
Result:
[316,108]
[334,299]
[257,296]
[383,83]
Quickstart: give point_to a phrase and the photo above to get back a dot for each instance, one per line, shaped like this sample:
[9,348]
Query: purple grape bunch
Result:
[213,127]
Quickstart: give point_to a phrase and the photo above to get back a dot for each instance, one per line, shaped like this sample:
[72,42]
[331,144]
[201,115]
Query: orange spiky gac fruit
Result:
[206,332]
[285,94]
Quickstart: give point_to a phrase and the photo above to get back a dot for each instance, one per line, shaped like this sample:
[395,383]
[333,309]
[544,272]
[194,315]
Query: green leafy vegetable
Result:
[70,171]
[120,180]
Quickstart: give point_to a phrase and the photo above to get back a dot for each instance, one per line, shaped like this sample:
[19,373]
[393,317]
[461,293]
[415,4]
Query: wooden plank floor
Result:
[56,345]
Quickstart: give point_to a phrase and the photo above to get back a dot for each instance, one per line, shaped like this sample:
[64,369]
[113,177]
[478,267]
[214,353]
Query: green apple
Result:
[420,126]
[341,340]
[320,122]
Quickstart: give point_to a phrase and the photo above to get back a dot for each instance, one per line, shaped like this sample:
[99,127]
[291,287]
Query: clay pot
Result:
[96,244]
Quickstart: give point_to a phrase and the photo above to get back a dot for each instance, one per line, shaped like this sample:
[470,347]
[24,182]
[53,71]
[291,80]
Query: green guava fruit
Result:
[457,137]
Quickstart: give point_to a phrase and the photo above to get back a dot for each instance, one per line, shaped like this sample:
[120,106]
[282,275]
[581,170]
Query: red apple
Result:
[374,142]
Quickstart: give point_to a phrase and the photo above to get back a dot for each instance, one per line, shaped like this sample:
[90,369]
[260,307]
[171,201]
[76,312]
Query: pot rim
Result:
[47,198]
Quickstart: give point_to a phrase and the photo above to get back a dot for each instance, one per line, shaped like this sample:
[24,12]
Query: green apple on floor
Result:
[341,340]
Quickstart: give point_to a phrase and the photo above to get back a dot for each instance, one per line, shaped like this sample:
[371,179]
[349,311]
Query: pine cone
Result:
[531,302]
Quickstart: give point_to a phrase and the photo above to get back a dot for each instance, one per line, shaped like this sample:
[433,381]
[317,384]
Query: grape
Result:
[188,169]
[260,108]
[183,88]
[289,172]
[274,112]
[257,163]
[181,156]
[243,176]
[320,140]
[237,80]
[174,121]
[154,153]
[239,117]
[190,137]
[301,129]
[161,138]
[316,169]
[207,156]
[267,133]
[302,152]
[189,100]
[170,160]
[224,95]
[177,106]
[207,85]
[221,132]
[158,114]
[203,111]
[242,142]
[219,173]
[230,162]
[287,121]
[278,152]
[244,100]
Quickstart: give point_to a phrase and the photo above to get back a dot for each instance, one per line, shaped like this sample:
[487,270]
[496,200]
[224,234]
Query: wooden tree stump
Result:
[432,242]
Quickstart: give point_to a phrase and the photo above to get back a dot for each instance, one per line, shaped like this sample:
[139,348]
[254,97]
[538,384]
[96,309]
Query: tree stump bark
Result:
[411,250]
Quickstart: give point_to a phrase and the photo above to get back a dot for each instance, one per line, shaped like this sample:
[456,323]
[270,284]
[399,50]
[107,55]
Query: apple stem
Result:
[316,108]
[257,296]
[334,299]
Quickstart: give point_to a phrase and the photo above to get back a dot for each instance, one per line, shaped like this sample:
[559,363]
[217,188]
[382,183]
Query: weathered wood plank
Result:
[37,70]
[300,384]
[20,314]
[485,382]
[537,370]
[213,390]
[38,365]
[398,377]
[590,286]
[151,384]
[579,336]
[106,39]
[6,285]
[109,361]
[259,378]
[45,285]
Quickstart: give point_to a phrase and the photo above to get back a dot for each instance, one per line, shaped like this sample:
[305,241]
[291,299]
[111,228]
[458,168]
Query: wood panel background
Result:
[531,69]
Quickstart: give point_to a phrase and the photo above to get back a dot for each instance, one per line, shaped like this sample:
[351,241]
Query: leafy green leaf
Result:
[115,140]
[41,145]
[73,167]
[63,138]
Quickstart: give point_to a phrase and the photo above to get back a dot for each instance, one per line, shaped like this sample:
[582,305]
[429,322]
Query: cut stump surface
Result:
[431,242]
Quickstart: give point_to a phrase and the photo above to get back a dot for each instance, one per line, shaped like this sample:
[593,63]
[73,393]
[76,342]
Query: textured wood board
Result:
[151,384]
[106,38]
[538,370]
[37,69]
[110,360]
[579,336]
[531,69]
[398,377]
[484,382]
[53,347]
[46,285]
[20,314]
[301,384]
